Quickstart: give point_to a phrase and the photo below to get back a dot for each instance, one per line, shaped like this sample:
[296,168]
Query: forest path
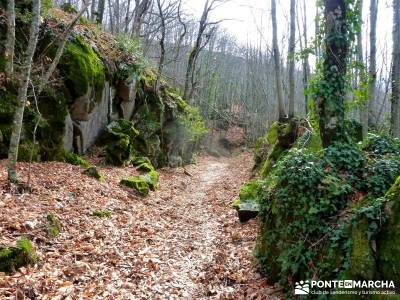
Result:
[182,242]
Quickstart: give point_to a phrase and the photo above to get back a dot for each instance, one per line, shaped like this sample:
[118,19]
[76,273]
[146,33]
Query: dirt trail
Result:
[181,242]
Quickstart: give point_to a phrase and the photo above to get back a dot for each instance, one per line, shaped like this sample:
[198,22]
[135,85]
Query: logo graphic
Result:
[302,288]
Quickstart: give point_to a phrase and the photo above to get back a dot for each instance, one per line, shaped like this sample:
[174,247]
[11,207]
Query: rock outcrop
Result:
[99,80]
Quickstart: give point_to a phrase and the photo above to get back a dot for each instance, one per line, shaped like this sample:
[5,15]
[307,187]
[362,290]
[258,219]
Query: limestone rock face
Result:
[88,129]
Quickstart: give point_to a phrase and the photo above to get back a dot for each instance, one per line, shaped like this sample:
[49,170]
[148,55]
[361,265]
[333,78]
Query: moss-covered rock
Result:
[280,137]
[248,205]
[142,183]
[12,258]
[362,263]
[120,140]
[53,226]
[151,179]
[389,238]
[138,183]
[93,172]
[82,68]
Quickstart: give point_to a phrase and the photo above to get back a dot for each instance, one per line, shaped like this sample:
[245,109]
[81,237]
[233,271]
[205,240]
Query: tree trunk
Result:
[306,65]
[162,44]
[92,11]
[372,61]
[100,11]
[127,17]
[22,91]
[275,49]
[395,111]
[292,45]
[330,101]
[10,40]
[141,8]
[361,74]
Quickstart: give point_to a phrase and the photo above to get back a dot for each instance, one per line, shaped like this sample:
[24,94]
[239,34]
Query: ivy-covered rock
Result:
[15,257]
[389,238]
[333,201]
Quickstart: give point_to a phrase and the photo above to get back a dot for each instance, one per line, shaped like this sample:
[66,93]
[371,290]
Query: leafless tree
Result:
[275,49]
[141,8]
[24,78]
[204,34]
[291,52]
[372,60]
[395,111]
[10,39]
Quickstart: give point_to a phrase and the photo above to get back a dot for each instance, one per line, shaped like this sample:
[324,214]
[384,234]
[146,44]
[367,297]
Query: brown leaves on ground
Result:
[182,242]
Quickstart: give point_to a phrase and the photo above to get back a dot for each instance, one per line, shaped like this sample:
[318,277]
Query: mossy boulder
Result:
[120,140]
[143,184]
[389,238]
[53,226]
[82,68]
[248,205]
[151,179]
[138,183]
[12,258]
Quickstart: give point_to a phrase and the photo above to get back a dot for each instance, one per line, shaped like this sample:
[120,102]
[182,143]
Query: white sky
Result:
[251,21]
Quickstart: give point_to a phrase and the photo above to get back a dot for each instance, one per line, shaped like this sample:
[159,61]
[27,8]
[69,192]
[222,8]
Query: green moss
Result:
[53,226]
[145,167]
[151,179]
[273,156]
[250,191]
[102,214]
[82,68]
[138,183]
[389,238]
[76,160]
[12,258]
[236,203]
[120,140]
[143,164]
[93,172]
[273,133]
[362,261]
[54,109]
